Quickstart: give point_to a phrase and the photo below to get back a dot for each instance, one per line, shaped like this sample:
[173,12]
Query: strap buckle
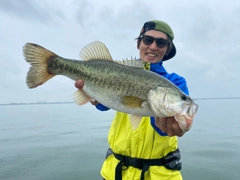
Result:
[135,162]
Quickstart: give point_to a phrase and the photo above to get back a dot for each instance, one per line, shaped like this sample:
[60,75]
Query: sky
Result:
[206,37]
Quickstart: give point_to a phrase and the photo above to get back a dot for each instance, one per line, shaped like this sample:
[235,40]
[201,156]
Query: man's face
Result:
[152,53]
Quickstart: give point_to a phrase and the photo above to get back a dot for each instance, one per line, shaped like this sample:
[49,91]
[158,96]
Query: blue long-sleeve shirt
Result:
[173,77]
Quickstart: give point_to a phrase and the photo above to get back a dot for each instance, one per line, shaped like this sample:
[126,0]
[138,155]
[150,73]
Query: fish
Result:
[121,85]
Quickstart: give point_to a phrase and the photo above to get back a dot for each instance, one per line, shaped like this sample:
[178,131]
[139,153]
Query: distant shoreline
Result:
[39,103]
[36,103]
[217,98]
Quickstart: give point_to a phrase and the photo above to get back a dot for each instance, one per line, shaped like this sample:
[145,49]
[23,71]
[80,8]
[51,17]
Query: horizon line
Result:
[69,102]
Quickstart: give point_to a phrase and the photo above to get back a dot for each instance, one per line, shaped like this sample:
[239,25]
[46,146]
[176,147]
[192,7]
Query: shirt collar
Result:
[158,68]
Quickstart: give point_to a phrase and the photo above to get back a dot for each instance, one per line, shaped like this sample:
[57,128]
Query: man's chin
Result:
[152,59]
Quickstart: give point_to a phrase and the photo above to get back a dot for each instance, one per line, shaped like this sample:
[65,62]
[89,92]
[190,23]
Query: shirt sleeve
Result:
[101,107]
[179,82]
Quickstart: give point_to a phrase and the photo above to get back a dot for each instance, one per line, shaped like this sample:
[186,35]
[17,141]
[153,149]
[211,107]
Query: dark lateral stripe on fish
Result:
[57,65]
[61,66]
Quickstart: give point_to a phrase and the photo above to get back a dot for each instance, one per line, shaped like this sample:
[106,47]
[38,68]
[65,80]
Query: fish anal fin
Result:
[80,97]
[95,51]
[132,101]
[135,121]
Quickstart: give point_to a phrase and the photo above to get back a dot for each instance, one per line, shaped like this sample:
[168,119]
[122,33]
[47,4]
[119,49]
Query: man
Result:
[151,150]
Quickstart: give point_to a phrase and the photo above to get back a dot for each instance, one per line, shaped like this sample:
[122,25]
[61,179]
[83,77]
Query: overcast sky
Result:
[206,36]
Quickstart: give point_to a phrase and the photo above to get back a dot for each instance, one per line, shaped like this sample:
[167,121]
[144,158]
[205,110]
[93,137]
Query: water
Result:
[65,141]
[211,149]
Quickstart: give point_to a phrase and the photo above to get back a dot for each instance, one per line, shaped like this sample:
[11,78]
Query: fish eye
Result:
[184,97]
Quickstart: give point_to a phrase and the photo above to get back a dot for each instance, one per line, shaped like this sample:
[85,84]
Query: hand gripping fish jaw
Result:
[165,103]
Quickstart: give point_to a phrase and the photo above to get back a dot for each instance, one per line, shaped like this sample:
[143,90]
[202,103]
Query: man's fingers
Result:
[177,130]
[94,102]
[169,125]
[173,128]
[170,130]
[161,123]
[79,84]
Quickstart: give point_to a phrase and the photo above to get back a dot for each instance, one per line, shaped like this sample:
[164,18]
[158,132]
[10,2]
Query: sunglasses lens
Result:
[161,43]
[148,40]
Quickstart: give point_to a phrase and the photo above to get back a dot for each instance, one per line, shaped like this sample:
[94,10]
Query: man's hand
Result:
[79,84]
[169,125]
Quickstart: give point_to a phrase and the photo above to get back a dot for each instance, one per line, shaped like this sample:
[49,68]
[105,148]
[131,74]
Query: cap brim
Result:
[170,54]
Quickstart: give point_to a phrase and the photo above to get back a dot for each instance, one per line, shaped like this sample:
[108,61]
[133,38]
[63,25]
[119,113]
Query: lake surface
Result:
[65,141]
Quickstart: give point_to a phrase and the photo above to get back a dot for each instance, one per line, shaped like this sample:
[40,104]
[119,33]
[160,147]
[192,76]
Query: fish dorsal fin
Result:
[133,62]
[95,51]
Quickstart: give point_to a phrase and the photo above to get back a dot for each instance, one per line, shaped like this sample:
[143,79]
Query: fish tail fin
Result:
[38,57]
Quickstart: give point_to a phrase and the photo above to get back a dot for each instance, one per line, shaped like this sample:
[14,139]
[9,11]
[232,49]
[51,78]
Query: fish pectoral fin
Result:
[95,51]
[135,121]
[132,101]
[145,104]
[80,97]
[133,62]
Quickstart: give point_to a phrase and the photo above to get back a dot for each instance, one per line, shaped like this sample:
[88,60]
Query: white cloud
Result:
[206,37]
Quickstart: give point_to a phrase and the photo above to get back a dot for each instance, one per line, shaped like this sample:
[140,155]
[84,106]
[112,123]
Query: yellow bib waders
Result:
[145,143]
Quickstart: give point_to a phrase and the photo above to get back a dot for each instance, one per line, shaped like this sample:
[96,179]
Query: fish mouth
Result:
[185,118]
[191,110]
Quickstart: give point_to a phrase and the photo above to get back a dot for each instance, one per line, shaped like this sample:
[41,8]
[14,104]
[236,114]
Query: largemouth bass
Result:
[120,85]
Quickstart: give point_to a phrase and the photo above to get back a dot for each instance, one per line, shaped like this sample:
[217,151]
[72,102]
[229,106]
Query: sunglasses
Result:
[161,42]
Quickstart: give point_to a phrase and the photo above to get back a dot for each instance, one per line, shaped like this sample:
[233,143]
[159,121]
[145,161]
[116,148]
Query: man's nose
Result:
[153,45]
